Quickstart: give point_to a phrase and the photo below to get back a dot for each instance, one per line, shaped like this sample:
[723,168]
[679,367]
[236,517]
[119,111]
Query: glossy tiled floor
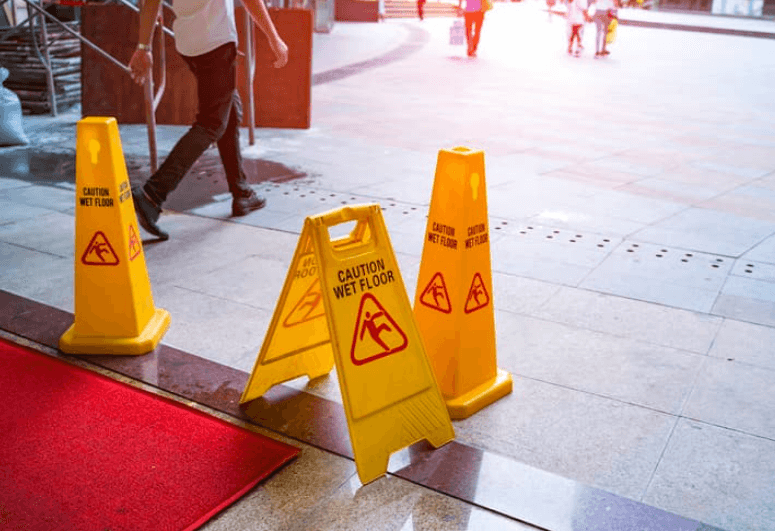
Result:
[632,246]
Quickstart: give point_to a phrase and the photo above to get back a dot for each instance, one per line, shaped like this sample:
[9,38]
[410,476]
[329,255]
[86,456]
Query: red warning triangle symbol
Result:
[309,307]
[99,251]
[478,297]
[376,333]
[436,295]
[135,247]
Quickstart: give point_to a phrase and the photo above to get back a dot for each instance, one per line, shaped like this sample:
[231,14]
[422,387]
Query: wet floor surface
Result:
[205,180]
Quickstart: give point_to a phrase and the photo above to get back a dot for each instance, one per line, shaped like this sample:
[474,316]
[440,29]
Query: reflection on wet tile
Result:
[719,476]
[392,503]
[531,495]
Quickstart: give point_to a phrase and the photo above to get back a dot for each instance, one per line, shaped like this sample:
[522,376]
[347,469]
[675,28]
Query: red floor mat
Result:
[79,451]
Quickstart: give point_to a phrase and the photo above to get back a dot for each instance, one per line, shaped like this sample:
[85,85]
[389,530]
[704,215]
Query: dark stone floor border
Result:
[481,478]
[417,38]
[698,29]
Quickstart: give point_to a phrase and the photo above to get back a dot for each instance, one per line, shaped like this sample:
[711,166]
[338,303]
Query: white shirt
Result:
[203,25]
[602,6]
[576,12]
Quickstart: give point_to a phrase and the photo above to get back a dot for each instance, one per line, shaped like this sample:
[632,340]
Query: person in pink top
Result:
[474,18]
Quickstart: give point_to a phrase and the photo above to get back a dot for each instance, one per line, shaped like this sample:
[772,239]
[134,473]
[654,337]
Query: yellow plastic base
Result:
[477,398]
[148,339]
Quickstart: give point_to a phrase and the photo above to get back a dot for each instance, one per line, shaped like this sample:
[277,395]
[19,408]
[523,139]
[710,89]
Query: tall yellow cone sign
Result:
[453,302]
[344,302]
[114,310]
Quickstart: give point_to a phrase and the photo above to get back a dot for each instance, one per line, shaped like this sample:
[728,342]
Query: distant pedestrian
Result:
[474,18]
[206,38]
[381,10]
[576,17]
[421,8]
[602,17]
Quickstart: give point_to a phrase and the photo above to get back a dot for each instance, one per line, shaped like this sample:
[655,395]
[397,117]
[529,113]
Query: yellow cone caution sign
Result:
[114,310]
[344,302]
[453,302]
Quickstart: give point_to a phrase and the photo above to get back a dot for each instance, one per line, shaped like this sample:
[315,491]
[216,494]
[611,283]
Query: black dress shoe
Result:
[147,213]
[241,206]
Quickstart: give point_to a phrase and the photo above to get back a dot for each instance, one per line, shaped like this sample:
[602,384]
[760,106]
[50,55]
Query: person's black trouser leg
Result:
[217,119]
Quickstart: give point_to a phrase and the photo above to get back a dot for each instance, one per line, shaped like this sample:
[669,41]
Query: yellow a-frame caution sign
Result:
[344,302]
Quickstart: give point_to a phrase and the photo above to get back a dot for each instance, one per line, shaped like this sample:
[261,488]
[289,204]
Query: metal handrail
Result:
[152,98]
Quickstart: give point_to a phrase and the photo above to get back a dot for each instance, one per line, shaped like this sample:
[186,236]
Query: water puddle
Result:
[205,180]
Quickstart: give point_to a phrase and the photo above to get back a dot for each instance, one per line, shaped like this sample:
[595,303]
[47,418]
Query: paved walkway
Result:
[632,214]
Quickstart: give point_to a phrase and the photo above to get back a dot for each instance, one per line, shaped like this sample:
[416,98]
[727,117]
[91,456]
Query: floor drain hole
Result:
[504,222]
[579,236]
[550,236]
[635,245]
[573,241]
[749,265]
[684,260]
[522,232]
[749,271]
[530,228]
[600,245]
[607,241]
[659,256]
[714,265]
[719,259]
[630,251]
[556,232]
[689,255]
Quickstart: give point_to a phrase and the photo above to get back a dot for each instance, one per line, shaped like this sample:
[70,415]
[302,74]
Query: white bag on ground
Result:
[457,32]
[11,130]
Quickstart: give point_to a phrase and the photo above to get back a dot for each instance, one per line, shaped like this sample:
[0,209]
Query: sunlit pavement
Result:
[632,213]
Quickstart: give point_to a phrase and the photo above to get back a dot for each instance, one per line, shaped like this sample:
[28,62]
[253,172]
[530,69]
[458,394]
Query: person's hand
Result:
[280,50]
[140,65]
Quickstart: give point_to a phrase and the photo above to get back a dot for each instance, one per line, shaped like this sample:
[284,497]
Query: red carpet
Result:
[79,451]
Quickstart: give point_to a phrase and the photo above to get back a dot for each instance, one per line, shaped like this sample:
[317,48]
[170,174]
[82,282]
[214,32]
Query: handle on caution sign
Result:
[363,238]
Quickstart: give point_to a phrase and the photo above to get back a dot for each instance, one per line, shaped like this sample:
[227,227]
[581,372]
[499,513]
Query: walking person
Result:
[602,17]
[577,16]
[206,38]
[421,9]
[474,18]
